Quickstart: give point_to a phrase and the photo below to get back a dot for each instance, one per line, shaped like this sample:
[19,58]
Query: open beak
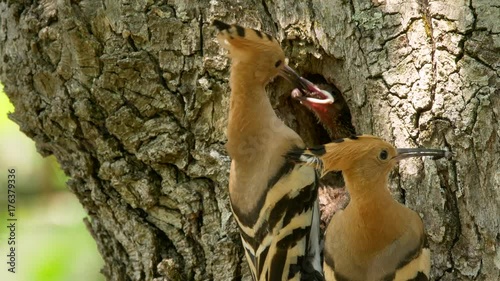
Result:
[305,90]
[404,153]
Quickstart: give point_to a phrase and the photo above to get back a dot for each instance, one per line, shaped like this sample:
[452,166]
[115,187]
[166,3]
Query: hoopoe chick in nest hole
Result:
[273,201]
[375,237]
[328,106]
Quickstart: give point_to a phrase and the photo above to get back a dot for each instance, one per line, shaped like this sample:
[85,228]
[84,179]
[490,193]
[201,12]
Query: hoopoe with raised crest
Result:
[274,201]
[375,237]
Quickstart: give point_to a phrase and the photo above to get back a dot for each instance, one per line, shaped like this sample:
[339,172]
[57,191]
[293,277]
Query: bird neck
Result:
[373,213]
[363,189]
[244,81]
[257,139]
[252,120]
[369,198]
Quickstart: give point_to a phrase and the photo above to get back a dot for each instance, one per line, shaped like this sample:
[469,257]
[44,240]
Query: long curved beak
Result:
[404,153]
[306,87]
[291,76]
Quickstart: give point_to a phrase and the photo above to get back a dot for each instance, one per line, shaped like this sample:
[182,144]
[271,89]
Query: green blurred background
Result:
[52,241]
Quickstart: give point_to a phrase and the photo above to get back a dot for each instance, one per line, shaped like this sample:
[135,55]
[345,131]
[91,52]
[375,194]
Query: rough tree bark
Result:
[131,97]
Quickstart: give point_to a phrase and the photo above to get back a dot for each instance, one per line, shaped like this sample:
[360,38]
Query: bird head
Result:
[262,57]
[363,156]
[253,51]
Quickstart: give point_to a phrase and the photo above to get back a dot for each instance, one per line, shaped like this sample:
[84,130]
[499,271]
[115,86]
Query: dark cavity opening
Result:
[307,125]
[310,124]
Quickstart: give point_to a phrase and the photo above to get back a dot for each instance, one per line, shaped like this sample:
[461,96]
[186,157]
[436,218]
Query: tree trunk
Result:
[132,96]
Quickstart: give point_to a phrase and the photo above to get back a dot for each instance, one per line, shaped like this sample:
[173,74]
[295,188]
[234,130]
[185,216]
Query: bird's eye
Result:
[383,155]
[278,63]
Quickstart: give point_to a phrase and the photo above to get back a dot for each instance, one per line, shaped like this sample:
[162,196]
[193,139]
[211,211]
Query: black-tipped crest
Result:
[221,25]
[240,30]
[251,47]
[318,150]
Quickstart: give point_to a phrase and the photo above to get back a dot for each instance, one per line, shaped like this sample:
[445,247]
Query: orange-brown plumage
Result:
[375,237]
[254,130]
[274,202]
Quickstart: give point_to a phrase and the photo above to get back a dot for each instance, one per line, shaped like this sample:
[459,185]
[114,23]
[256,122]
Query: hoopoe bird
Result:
[329,107]
[273,201]
[374,237]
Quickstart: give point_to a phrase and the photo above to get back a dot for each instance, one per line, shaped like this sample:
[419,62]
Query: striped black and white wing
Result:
[283,243]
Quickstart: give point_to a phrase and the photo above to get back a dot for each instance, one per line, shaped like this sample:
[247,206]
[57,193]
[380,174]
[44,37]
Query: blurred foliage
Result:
[52,241]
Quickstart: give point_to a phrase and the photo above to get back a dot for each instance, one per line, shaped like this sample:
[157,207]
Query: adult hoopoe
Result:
[273,201]
[375,237]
